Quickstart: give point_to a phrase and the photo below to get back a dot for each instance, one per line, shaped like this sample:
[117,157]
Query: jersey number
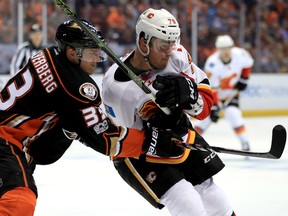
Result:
[93,115]
[16,91]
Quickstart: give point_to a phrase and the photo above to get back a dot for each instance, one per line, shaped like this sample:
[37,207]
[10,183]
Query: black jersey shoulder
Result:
[73,80]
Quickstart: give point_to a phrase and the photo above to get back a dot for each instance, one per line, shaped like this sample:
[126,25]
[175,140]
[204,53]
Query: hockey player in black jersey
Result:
[49,103]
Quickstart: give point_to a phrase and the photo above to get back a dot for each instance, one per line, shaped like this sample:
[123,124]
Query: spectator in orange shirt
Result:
[116,20]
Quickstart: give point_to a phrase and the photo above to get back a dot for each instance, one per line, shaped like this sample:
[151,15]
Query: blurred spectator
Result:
[215,17]
[116,20]
[56,17]
[27,49]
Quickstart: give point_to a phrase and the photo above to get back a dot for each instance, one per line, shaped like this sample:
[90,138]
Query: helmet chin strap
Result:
[79,62]
[79,54]
[146,57]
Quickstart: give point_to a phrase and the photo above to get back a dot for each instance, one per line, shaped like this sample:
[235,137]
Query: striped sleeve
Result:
[131,145]
[20,58]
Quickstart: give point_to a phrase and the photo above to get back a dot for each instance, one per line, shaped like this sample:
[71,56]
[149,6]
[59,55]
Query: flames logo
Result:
[148,109]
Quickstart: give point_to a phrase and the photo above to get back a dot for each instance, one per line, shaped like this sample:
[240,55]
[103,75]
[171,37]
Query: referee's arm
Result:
[19,59]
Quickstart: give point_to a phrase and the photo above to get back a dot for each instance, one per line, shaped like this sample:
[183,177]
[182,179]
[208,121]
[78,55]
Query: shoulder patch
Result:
[89,91]
[110,110]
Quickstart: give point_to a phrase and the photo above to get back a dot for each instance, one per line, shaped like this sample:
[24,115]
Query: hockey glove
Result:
[175,91]
[178,122]
[214,115]
[161,142]
[241,85]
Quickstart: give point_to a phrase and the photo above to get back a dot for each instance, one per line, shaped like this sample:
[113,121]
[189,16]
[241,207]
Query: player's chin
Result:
[163,63]
[93,64]
[90,70]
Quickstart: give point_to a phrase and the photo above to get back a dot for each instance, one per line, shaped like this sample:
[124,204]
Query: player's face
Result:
[225,54]
[162,46]
[89,59]
[160,52]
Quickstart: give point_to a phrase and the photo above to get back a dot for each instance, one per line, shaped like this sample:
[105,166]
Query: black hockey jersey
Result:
[49,91]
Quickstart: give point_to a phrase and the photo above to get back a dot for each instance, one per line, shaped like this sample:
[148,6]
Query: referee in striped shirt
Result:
[27,49]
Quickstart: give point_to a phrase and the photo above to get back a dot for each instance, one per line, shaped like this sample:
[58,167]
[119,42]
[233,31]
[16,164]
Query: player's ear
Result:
[143,44]
[71,54]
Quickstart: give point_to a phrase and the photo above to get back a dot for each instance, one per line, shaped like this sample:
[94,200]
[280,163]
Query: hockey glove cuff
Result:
[161,142]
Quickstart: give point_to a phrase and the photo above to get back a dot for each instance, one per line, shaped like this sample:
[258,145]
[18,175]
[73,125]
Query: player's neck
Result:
[137,64]
[226,61]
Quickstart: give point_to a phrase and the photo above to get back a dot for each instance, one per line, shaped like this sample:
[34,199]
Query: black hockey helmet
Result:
[70,33]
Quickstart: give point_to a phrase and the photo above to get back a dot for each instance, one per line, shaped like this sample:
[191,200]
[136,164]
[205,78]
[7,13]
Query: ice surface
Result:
[85,183]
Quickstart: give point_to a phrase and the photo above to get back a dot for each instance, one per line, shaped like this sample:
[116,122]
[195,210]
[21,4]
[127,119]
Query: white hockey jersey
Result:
[224,77]
[128,105]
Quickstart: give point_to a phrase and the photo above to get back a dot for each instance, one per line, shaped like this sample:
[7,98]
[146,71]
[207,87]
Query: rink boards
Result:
[266,95]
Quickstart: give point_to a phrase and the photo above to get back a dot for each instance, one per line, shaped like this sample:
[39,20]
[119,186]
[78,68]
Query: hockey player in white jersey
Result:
[228,70]
[181,180]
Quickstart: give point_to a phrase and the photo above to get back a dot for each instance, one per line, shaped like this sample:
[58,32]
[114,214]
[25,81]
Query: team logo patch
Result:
[151,177]
[89,91]
[148,109]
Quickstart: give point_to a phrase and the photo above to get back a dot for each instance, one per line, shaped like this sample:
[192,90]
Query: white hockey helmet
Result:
[158,23]
[224,41]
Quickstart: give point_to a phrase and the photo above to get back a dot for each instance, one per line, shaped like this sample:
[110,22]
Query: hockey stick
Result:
[275,152]
[281,132]
[110,53]
[229,99]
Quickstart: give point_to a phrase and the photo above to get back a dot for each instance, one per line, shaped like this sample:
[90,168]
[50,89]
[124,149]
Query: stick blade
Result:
[279,135]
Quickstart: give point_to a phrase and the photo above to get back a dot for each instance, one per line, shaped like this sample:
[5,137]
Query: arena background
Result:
[259,26]
[85,182]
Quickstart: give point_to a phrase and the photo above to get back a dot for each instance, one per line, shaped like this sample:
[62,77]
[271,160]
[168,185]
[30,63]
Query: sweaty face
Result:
[225,54]
[160,52]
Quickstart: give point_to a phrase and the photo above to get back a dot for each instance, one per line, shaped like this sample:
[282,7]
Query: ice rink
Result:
[83,182]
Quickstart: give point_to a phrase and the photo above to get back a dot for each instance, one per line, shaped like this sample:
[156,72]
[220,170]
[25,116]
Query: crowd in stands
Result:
[264,29]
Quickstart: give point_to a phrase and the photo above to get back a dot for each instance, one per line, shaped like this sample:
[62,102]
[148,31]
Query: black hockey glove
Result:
[214,115]
[241,85]
[161,142]
[178,122]
[175,91]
